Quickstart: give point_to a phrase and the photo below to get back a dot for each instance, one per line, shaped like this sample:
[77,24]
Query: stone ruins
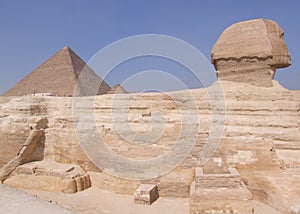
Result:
[257,158]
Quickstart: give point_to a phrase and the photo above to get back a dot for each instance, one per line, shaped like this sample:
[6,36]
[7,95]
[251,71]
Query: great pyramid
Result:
[58,75]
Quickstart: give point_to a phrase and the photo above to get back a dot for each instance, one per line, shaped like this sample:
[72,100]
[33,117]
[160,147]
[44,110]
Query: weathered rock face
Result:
[219,193]
[250,52]
[32,150]
[17,120]
[27,170]
[261,131]
[51,176]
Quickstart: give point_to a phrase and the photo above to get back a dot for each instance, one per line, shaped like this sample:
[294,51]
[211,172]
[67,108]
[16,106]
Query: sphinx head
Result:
[250,52]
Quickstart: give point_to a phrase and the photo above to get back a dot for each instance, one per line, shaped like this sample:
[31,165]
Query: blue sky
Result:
[33,30]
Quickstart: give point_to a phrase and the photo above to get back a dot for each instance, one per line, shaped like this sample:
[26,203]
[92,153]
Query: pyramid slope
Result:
[58,75]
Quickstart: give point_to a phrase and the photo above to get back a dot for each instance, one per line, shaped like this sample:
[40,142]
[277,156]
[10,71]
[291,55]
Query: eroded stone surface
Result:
[261,129]
[51,176]
[32,150]
[220,193]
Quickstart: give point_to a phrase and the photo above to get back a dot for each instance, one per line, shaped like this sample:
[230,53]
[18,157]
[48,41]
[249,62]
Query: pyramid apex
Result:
[66,48]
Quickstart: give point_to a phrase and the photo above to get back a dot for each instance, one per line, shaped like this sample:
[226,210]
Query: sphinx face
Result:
[280,55]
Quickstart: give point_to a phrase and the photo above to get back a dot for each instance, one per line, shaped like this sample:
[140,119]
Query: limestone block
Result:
[50,176]
[220,200]
[146,194]
[231,180]
[105,181]
[33,149]
[219,193]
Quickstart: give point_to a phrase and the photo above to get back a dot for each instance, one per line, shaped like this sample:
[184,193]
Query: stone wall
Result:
[257,119]
[231,180]
[220,193]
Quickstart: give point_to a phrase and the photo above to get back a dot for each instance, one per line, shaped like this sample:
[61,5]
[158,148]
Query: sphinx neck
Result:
[251,71]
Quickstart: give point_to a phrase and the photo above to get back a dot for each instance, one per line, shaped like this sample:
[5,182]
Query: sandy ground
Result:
[15,201]
[94,200]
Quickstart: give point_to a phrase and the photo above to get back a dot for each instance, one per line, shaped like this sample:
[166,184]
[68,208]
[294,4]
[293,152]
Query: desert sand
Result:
[93,200]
